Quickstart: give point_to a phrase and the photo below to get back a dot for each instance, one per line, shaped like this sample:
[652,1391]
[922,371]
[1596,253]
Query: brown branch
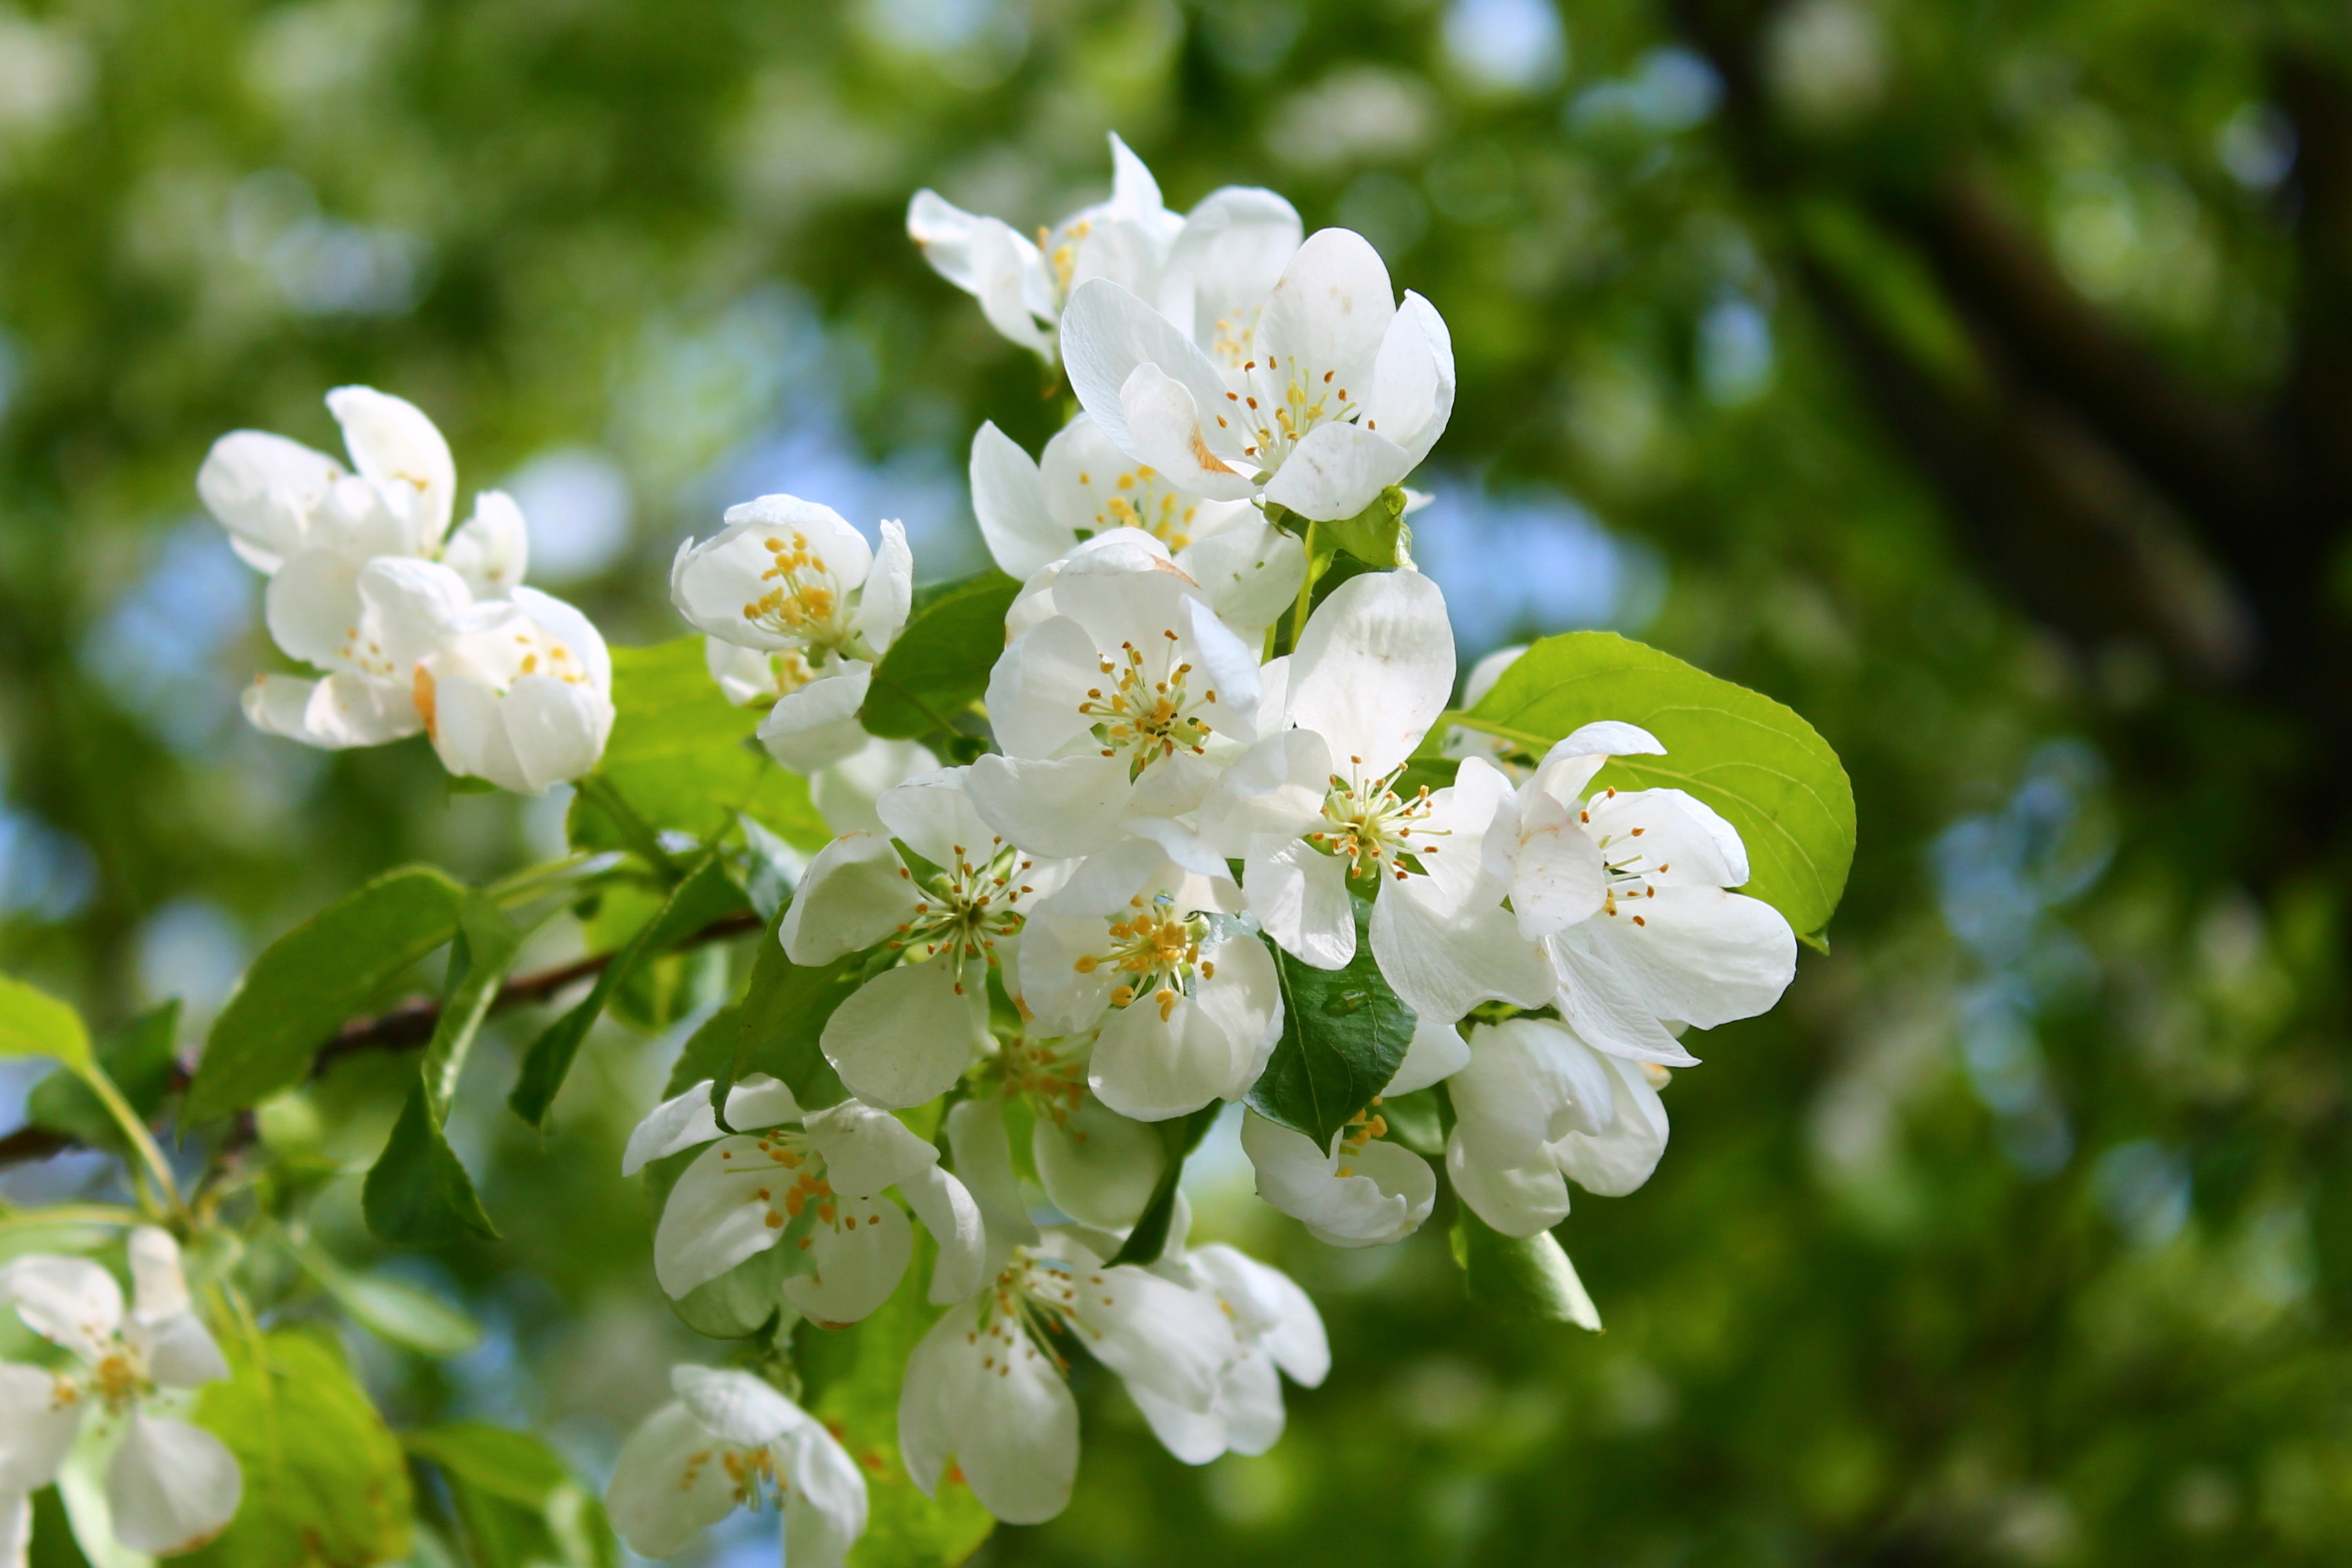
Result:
[403,1028]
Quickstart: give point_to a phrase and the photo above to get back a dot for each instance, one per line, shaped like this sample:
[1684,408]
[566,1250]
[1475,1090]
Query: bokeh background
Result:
[1966,374]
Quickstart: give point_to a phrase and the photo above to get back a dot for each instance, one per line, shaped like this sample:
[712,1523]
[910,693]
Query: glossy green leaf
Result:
[1378,536]
[1766,770]
[703,898]
[1517,1276]
[684,759]
[938,666]
[308,982]
[325,1483]
[418,1191]
[1344,1033]
[518,1504]
[1178,1136]
[854,1376]
[139,1061]
[35,1023]
[394,1311]
[780,1023]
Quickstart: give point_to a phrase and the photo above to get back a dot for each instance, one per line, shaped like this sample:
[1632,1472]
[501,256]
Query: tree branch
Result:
[403,1028]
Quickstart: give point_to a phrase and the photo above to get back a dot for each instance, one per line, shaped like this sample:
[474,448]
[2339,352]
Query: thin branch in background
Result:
[403,1028]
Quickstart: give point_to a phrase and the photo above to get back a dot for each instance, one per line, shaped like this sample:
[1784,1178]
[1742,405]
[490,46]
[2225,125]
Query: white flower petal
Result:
[170,1487]
[1518,1200]
[1374,668]
[733,1406]
[1412,381]
[1271,1308]
[984,1161]
[1437,1053]
[1097,1166]
[990,1400]
[1062,808]
[1158,1335]
[1167,427]
[953,1215]
[16,1530]
[678,1123]
[1700,956]
[1386,1195]
[491,550]
[1008,496]
[867,1150]
[1107,334]
[1620,1158]
[263,489]
[855,1265]
[817,725]
[1007,272]
[1223,264]
[1336,471]
[854,894]
[555,728]
[313,609]
[39,1420]
[907,1035]
[393,444]
[182,1353]
[1601,1000]
[1682,841]
[1444,965]
[716,1216]
[1251,570]
[825,1508]
[1558,877]
[933,816]
[69,1302]
[1037,686]
[1530,1083]
[1328,311]
[339,712]
[667,1485]
[1299,895]
[1275,790]
[888,592]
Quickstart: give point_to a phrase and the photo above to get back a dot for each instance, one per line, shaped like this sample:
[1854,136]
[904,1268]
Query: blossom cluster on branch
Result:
[1170,813]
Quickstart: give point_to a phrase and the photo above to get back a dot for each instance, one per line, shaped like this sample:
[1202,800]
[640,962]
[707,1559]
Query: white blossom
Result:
[812,1181]
[1535,1108]
[1276,1331]
[170,1486]
[1210,270]
[844,790]
[518,691]
[1317,803]
[1339,394]
[1096,1165]
[909,1032]
[985,1385]
[790,578]
[1364,1191]
[1116,710]
[728,1441]
[1628,893]
[1144,951]
[1034,512]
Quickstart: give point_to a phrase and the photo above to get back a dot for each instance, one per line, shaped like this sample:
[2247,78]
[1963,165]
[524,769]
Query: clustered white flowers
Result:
[1078,935]
[416,626]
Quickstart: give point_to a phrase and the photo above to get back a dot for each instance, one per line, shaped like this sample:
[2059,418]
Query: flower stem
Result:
[151,1156]
[1306,589]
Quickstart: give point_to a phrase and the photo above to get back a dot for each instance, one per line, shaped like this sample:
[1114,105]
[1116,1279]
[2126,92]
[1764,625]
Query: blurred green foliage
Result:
[2018,1234]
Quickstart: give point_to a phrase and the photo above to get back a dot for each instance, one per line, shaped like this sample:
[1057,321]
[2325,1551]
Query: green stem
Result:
[72,1214]
[150,1153]
[1306,589]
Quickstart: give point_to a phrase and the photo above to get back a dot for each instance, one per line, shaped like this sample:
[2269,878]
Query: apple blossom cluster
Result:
[1075,940]
[1195,825]
[416,626]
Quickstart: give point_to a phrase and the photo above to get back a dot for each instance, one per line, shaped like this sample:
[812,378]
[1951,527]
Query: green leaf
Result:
[325,1484]
[705,896]
[139,1060]
[518,1505]
[938,666]
[1378,536]
[1766,770]
[1414,1121]
[418,1191]
[854,1375]
[1344,1033]
[35,1023]
[1528,1277]
[322,973]
[1178,1136]
[682,757]
[394,1311]
[739,1303]
[780,1023]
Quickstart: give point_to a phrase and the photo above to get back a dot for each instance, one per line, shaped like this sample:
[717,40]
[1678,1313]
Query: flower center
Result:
[1140,499]
[1062,251]
[1628,868]
[798,1184]
[1373,828]
[1143,716]
[1156,951]
[118,1380]
[806,601]
[1037,1296]
[1281,407]
[966,909]
[1361,1129]
[1054,1083]
[751,1472]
